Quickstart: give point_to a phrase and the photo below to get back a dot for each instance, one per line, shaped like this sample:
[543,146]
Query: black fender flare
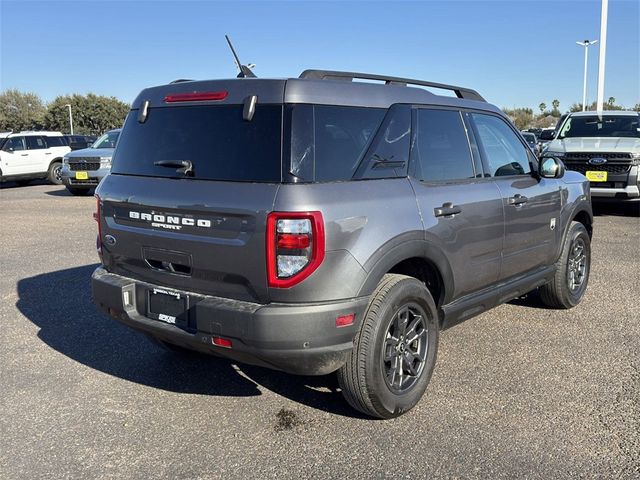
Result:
[404,247]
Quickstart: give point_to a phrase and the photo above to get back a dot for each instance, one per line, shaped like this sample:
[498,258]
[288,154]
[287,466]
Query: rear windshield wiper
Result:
[182,166]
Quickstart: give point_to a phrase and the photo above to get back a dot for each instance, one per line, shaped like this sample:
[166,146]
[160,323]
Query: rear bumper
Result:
[296,338]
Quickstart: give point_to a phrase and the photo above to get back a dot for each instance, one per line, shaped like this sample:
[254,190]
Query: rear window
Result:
[55,142]
[215,139]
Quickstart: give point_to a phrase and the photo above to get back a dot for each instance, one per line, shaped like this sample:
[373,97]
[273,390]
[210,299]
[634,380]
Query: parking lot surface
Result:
[521,391]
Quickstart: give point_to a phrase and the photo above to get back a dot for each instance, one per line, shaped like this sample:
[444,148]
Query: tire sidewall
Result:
[389,403]
[577,231]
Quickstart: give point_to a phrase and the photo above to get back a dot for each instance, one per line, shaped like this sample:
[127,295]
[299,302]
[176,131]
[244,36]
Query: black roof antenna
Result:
[245,71]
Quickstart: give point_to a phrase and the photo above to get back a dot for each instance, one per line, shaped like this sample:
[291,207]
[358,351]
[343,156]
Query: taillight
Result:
[295,246]
[195,97]
[96,217]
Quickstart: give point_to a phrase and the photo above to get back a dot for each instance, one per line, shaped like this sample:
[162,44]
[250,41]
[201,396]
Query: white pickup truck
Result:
[605,149]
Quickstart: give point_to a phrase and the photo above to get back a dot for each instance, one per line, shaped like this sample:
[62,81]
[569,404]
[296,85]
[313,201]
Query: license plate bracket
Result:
[596,176]
[168,306]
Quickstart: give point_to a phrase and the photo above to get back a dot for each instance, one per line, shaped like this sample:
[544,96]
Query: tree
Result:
[611,101]
[555,104]
[92,114]
[636,107]
[542,107]
[521,117]
[21,111]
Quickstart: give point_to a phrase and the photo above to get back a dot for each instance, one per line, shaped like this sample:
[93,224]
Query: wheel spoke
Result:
[409,360]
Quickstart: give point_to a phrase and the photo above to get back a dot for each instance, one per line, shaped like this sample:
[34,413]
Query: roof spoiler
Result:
[461,92]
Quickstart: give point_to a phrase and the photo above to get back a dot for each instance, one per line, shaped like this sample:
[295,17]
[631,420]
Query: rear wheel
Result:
[78,191]
[572,270]
[54,174]
[394,350]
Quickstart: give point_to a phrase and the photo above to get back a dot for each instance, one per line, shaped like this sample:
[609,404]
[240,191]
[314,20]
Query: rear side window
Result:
[328,142]
[55,142]
[36,143]
[502,149]
[215,139]
[442,149]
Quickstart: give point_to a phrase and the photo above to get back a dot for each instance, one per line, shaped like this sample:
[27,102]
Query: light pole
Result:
[585,44]
[70,117]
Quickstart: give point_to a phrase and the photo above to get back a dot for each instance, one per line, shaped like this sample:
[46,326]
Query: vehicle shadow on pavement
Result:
[62,192]
[621,209]
[59,304]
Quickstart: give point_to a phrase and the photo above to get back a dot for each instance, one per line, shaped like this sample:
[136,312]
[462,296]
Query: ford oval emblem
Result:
[109,239]
[597,161]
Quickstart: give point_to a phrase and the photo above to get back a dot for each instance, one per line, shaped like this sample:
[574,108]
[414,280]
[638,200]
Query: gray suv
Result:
[83,169]
[321,224]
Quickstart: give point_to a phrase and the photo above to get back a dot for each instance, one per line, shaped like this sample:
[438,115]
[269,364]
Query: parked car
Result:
[83,169]
[604,148]
[321,224]
[27,156]
[78,142]
[532,141]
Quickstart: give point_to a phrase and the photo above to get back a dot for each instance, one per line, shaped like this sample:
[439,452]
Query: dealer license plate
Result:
[596,176]
[82,175]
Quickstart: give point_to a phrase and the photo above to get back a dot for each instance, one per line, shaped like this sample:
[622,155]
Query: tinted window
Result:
[14,144]
[55,142]
[442,149]
[36,143]
[218,142]
[328,142]
[608,126]
[502,149]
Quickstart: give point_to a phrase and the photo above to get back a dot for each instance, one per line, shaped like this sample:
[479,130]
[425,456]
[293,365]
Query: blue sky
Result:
[515,53]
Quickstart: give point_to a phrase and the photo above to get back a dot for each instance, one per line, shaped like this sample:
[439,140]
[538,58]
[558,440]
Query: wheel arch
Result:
[415,258]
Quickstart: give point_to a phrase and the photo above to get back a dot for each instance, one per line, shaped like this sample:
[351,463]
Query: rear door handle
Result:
[24,154]
[517,200]
[47,153]
[447,209]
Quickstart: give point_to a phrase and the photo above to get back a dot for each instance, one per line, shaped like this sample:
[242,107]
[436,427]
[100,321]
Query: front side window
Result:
[14,144]
[441,151]
[36,143]
[607,126]
[505,154]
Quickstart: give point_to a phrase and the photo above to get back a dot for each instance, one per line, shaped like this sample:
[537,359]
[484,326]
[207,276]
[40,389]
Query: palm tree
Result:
[611,101]
[556,104]
[542,107]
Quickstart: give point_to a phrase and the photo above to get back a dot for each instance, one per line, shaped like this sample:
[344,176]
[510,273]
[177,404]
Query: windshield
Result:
[608,126]
[214,140]
[108,140]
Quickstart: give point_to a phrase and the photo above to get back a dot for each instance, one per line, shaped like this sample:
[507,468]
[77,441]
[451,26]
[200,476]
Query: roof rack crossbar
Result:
[460,92]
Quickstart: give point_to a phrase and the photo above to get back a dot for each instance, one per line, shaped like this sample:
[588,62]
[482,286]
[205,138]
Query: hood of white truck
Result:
[596,144]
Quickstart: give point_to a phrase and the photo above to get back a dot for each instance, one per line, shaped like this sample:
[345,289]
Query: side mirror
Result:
[551,167]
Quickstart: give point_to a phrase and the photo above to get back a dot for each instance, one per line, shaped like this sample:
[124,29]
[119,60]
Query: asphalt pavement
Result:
[519,392]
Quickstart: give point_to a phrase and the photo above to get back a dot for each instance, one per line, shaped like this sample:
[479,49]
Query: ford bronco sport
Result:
[321,224]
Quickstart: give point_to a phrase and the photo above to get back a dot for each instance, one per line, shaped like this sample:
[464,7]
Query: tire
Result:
[78,191]
[571,277]
[367,379]
[54,173]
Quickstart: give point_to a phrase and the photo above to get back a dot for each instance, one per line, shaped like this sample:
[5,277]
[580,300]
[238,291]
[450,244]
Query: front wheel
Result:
[55,173]
[394,351]
[569,283]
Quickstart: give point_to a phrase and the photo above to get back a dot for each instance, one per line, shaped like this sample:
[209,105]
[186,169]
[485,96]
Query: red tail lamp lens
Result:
[195,97]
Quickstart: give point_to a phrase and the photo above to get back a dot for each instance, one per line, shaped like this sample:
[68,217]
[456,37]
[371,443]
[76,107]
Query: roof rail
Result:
[180,80]
[460,92]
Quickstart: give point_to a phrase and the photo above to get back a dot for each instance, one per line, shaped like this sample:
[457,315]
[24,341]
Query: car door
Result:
[38,154]
[462,212]
[531,204]
[15,156]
